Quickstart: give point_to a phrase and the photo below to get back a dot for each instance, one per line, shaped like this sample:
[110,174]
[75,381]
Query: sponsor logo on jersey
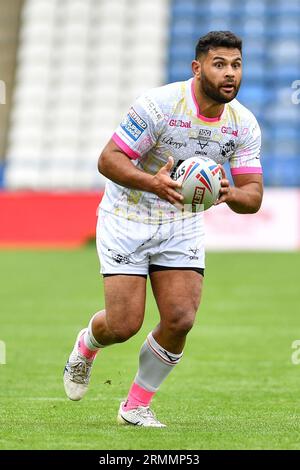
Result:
[152,109]
[180,123]
[229,130]
[203,144]
[203,140]
[211,147]
[204,133]
[228,148]
[137,118]
[133,125]
[170,141]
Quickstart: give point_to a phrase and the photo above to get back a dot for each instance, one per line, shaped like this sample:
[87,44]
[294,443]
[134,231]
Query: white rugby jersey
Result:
[166,121]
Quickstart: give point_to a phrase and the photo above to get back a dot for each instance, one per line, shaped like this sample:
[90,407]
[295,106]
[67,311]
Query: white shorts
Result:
[129,247]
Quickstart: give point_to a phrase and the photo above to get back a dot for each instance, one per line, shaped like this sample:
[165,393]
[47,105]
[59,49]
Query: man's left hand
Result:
[225,194]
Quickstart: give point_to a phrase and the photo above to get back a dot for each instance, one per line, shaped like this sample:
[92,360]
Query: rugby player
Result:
[143,230]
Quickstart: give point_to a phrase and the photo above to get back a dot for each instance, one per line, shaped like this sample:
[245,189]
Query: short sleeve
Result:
[141,127]
[246,158]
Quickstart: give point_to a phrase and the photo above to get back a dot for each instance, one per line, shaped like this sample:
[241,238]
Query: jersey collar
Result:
[197,109]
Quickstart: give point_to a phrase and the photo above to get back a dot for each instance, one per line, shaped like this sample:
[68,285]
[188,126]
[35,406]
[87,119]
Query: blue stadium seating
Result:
[271,36]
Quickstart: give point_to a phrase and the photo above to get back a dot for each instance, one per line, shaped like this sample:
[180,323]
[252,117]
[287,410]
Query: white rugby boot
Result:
[77,372]
[140,416]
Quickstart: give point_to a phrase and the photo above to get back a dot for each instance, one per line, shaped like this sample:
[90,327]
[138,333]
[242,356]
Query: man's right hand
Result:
[164,187]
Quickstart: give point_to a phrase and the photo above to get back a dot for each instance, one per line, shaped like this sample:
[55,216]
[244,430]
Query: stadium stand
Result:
[80,64]
[9,27]
[271,34]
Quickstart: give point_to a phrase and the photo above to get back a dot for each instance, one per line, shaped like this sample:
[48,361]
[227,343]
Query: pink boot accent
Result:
[86,352]
[137,396]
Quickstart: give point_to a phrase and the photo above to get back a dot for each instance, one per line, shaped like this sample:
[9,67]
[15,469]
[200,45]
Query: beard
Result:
[215,92]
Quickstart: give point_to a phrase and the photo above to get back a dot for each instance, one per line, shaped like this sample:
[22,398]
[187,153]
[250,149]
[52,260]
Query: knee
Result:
[181,321]
[122,333]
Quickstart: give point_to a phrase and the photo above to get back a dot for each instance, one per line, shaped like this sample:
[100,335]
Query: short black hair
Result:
[215,39]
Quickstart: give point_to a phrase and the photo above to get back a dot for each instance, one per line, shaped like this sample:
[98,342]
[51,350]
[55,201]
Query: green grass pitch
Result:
[236,387]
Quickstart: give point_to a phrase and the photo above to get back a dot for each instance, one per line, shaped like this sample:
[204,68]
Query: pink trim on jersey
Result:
[129,152]
[137,396]
[245,170]
[199,115]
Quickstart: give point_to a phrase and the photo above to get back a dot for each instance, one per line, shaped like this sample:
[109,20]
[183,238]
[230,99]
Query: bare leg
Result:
[123,317]
[124,313]
[177,294]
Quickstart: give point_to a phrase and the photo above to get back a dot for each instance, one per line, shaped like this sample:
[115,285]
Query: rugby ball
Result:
[201,183]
